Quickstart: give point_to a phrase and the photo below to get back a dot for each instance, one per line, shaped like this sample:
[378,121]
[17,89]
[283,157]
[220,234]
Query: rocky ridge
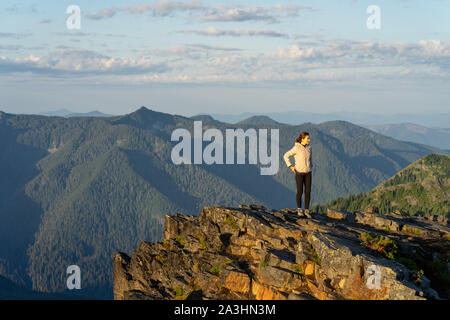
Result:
[251,252]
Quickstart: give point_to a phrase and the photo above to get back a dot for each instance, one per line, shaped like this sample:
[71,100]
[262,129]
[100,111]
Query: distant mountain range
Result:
[438,137]
[68,114]
[360,118]
[413,132]
[75,190]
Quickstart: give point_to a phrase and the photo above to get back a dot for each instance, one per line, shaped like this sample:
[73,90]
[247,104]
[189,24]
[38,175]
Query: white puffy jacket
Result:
[302,156]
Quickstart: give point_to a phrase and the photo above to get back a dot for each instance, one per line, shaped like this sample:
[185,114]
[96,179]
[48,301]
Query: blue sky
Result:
[191,57]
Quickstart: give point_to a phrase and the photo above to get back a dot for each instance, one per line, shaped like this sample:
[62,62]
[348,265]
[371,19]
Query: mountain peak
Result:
[204,117]
[143,109]
[147,119]
[259,120]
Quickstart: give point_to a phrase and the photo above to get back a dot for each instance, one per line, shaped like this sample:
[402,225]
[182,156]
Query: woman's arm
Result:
[288,154]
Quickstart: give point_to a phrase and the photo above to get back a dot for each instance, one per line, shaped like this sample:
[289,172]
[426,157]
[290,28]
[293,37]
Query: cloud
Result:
[227,13]
[77,34]
[370,52]
[20,8]
[160,8]
[14,35]
[165,7]
[212,31]
[237,13]
[296,52]
[198,52]
[75,62]
[73,34]
[215,48]
[332,60]
[103,14]
[222,13]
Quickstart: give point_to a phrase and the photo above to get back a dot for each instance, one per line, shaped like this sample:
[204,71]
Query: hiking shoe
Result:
[307,214]
[300,211]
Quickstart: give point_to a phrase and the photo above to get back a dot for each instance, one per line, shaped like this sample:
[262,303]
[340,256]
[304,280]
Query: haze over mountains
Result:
[433,135]
[430,129]
[438,137]
[68,114]
[359,118]
[75,190]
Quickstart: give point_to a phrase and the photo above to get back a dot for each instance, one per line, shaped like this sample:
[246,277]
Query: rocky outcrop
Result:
[251,252]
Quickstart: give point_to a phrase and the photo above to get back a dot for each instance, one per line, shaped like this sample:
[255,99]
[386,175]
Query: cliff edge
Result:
[251,252]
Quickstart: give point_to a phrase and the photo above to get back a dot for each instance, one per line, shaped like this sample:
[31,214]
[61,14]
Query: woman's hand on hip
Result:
[293,169]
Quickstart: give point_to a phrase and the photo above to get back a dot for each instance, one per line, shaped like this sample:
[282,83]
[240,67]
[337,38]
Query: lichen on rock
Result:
[252,252]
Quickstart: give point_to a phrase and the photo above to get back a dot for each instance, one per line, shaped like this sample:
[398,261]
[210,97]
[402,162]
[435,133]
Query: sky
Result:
[197,57]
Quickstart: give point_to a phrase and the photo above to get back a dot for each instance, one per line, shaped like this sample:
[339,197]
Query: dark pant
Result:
[303,178]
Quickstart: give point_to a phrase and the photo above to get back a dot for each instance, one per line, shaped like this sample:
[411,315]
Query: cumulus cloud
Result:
[337,60]
[332,61]
[295,52]
[370,52]
[72,62]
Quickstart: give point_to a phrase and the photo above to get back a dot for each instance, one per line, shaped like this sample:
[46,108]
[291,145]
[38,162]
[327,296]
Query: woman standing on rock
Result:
[302,169]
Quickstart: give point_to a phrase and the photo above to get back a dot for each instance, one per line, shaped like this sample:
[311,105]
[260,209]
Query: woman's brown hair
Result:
[302,136]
